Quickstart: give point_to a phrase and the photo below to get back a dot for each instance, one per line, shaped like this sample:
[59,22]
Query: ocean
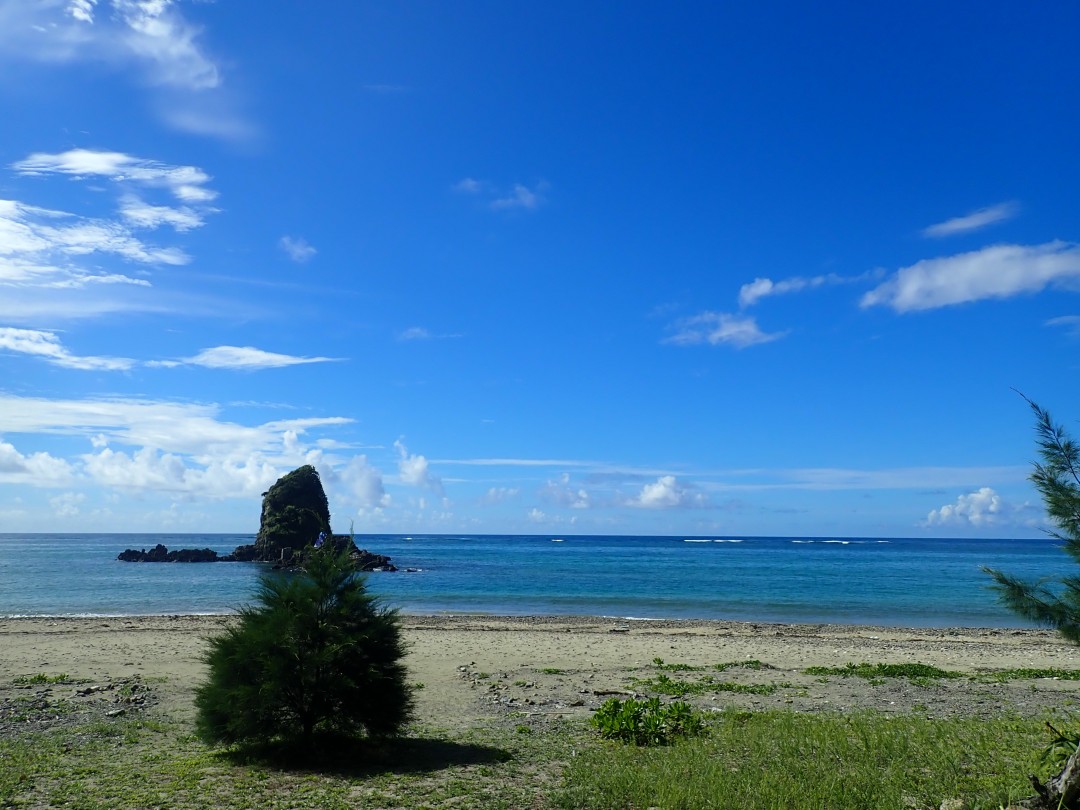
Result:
[906,582]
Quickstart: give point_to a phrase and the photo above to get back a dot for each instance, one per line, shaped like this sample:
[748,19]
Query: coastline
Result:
[474,666]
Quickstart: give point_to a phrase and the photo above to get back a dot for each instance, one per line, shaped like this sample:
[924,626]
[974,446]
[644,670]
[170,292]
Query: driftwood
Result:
[1060,793]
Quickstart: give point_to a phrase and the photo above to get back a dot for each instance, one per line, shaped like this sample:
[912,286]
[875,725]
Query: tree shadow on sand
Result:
[357,758]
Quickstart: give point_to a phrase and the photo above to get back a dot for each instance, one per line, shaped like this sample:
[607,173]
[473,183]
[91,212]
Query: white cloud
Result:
[173,427]
[67,504]
[561,492]
[38,469]
[500,494]
[536,516]
[469,186]
[974,221]
[415,333]
[517,197]
[187,183]
[414,470]
[364,484]
[1069,322]
[47,346]
[297,248]
[984,507]
[241,358]
[717,328]
[144,215]
[998,271]
[151,34]
[667,493]
[750,294]
[46,252]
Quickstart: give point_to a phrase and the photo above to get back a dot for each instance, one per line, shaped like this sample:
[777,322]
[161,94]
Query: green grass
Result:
[787,760]
[663,684]
[41,678]
[914,672]
[121,764]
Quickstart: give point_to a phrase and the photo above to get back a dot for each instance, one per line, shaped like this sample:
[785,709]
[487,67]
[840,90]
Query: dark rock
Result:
[160,553]
[294,512]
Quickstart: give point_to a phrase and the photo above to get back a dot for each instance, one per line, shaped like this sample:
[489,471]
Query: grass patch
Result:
[118,764]
[1024,674]
[664,684]
[553,671]
[840,761]
[914,672]
[42,678]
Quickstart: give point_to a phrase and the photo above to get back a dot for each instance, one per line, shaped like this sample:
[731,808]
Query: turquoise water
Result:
[900,581]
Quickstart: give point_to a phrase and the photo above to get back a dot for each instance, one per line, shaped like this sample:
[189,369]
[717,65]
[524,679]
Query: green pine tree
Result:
[1053,601]
[316,654]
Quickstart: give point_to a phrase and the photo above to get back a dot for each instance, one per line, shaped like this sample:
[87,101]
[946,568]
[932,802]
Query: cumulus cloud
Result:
[974,221]
[500,494]
[668,493]
[48,347]
[297,248]
[984,507]
[364,484]
[717,328]
[998,271]
[67,504]
[415,471]
[38,469]
[239,358]
[562,493]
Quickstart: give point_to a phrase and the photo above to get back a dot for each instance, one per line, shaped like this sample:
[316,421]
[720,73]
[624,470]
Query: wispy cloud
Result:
[1070,322]
[720,328]
[750,294]
[297,248]
[422,333]
[976,220]
[518,197]
[998,271]
[44,252]
[47,346]
[150,40]
[187,183]
[240,358]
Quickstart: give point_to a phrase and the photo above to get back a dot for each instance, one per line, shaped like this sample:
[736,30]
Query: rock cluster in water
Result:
[295,515]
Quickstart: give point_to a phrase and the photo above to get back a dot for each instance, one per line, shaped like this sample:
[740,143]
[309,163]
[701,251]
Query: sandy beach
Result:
[474,668]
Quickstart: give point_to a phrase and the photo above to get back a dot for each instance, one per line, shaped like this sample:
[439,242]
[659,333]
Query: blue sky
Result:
[683,268]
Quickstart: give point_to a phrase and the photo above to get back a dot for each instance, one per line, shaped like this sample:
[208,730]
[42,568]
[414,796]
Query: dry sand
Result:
[476,668]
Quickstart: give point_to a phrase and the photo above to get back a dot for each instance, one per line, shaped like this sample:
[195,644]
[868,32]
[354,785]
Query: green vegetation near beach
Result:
[763,759]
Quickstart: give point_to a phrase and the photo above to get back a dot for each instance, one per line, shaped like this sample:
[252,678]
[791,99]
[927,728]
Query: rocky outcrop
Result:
[160,553]
[295,513]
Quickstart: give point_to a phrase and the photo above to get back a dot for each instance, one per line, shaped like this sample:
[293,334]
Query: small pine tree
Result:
[1054,601]
[316,654]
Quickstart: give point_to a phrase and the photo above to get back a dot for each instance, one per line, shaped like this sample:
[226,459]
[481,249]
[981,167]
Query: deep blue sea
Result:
[899,582]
